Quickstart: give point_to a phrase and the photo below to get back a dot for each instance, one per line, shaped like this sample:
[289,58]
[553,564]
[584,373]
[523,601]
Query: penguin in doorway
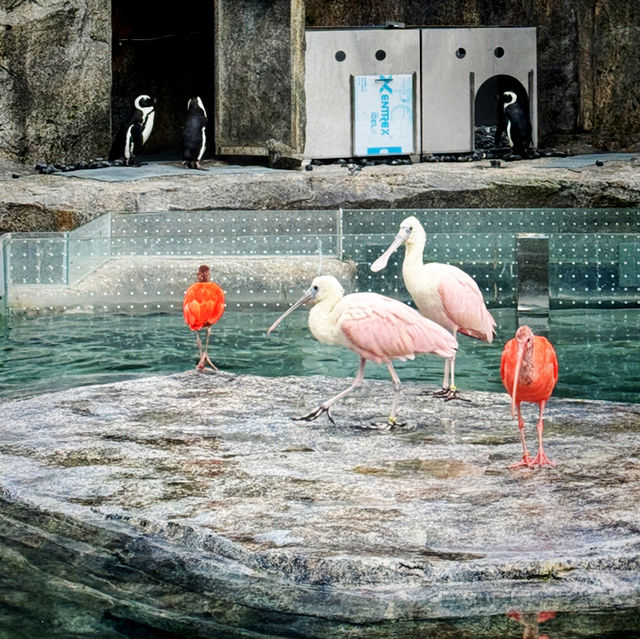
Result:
[134,131]
[513,119]
[194,137]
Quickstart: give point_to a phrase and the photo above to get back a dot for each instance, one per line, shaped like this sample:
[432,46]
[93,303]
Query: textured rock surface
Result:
[55,203]
[193,503]
[55,79]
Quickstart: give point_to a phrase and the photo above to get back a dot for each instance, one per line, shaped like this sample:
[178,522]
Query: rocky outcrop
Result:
[55,203]
[195,505]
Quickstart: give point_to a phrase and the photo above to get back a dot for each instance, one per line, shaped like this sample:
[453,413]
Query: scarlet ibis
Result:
[375,327]
[529,371]
[443,293]
[202,307]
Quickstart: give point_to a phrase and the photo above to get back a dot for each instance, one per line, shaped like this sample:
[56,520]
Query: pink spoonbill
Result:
[443,293]
[375,327]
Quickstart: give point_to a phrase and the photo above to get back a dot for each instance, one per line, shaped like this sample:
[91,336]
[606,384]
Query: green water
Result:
[598,352]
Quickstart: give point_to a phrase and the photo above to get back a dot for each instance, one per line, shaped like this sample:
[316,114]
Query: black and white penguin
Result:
[194,136]
[513,119]
[134,131]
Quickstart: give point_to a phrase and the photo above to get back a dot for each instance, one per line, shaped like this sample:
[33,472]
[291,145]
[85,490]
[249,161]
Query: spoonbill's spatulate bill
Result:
[529,371]
[443,293]
[375,327]
[202,307]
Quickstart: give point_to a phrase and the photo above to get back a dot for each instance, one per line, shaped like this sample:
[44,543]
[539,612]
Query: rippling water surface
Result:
[598,351]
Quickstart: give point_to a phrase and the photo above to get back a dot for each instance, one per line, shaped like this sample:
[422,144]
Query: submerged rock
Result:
[194,504]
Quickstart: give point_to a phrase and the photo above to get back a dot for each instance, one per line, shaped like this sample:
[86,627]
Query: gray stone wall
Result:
[55,79]
[259,75]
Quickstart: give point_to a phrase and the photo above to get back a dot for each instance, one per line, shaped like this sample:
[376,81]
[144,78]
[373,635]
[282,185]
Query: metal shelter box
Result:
[333,58]
[458,74]
[463,70]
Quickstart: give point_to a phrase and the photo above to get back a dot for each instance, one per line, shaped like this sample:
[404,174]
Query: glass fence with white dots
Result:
[525,258]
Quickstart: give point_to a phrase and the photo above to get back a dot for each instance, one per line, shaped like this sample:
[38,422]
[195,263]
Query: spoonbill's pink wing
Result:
[464,304]
[379,328]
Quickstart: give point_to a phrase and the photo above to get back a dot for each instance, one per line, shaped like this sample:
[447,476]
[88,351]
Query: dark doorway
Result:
[486,108]
[168,54]
[486,102]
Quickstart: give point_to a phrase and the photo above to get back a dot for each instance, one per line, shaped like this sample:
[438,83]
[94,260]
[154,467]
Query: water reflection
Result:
[531,622]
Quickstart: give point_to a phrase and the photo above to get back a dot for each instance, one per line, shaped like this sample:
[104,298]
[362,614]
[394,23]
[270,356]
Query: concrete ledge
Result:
[55,203]
[192,503]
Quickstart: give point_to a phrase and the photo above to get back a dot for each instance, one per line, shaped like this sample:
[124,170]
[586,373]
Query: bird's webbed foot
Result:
[315,413]
[205,364]
[391,423]
[447,394]
[439,393]
[542,460]
[525,462]
[452,393]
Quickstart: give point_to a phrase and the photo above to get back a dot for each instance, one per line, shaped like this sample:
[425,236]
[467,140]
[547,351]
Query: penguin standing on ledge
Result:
[134,131]
[194,137]
[513,119]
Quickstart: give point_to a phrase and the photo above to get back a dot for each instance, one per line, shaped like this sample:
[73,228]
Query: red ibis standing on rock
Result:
[442,292]
[529,371]
[375,327]
[202,307]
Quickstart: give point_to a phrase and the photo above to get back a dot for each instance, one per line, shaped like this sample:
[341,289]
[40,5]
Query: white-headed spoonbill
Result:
[443,293]
[375,327]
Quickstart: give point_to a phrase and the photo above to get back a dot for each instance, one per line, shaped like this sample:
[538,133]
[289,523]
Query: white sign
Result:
[383,118]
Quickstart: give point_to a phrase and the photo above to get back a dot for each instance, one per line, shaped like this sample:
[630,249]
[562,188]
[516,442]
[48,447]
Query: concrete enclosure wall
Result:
[259,75]
[588,74]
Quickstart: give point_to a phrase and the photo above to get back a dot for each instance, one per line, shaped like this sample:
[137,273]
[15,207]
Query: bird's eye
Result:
[315,288]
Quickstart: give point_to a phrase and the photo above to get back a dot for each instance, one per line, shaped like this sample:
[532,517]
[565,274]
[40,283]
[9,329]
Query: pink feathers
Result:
[381,329]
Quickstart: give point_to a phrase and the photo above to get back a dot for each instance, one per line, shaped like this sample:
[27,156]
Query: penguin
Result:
[513,119]
[134,131]
[194,137]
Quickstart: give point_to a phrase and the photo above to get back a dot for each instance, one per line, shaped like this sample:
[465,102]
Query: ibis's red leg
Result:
[526,458]
[204,356]
[541,459]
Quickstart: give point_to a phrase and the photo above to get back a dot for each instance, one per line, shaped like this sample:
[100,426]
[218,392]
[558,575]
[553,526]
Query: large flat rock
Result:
[193,503]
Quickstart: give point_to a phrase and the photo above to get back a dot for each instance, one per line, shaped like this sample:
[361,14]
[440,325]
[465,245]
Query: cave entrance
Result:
[168,54]
[486,108]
